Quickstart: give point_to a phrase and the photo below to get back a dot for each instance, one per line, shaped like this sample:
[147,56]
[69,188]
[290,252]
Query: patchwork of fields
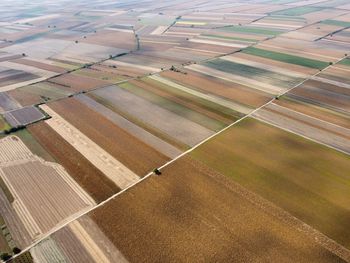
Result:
[175,131]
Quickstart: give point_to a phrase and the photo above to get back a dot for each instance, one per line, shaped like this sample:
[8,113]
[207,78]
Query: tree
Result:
[16,250]
[5,256]
[157,172]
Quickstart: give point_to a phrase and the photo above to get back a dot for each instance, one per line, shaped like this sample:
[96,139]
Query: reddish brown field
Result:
[192,214]
[113,39]
[78,83]
[136,155]
[335,73]
[328,87]
[326,94]
[233,91]
[39,65]
[24,98]
[11,57]
[209,47]
[92,180]
[111,74]
[124,71]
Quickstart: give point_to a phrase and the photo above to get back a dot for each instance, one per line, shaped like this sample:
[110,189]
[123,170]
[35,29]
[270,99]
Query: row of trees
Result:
[6,256]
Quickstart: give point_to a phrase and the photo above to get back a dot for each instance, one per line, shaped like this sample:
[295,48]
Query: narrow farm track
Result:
[323,240]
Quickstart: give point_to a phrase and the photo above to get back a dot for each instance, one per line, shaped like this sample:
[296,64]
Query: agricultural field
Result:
[23,116]
[312,186]
[80,241]
[88,176]
[174,131]
[25,220]
[40,92]
[186,132]
[3,124]
[7,103]
[287,58]
[206,216]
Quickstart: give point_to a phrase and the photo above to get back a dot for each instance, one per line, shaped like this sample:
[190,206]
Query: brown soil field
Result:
[112,39]
[143,59]
[92,180]
[17,78]
[336,74]
[78,83]
[334,100]
[313,32]
[192,214]
[111,74]
[322,14]
[315,111]
[327,86]
[23,97]
[156,44]
[195,54]
[136,155]
[308,49]
[215,48]
[120,70]
[39,65]
[100,75]
[233,91]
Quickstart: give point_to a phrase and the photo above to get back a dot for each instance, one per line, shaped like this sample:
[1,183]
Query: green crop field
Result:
[230,38]
[33,145]
[253,30]
[306,62]
[345,61]
[336,23]
[255,73]
[310,181]
[3,124]
[297,11]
